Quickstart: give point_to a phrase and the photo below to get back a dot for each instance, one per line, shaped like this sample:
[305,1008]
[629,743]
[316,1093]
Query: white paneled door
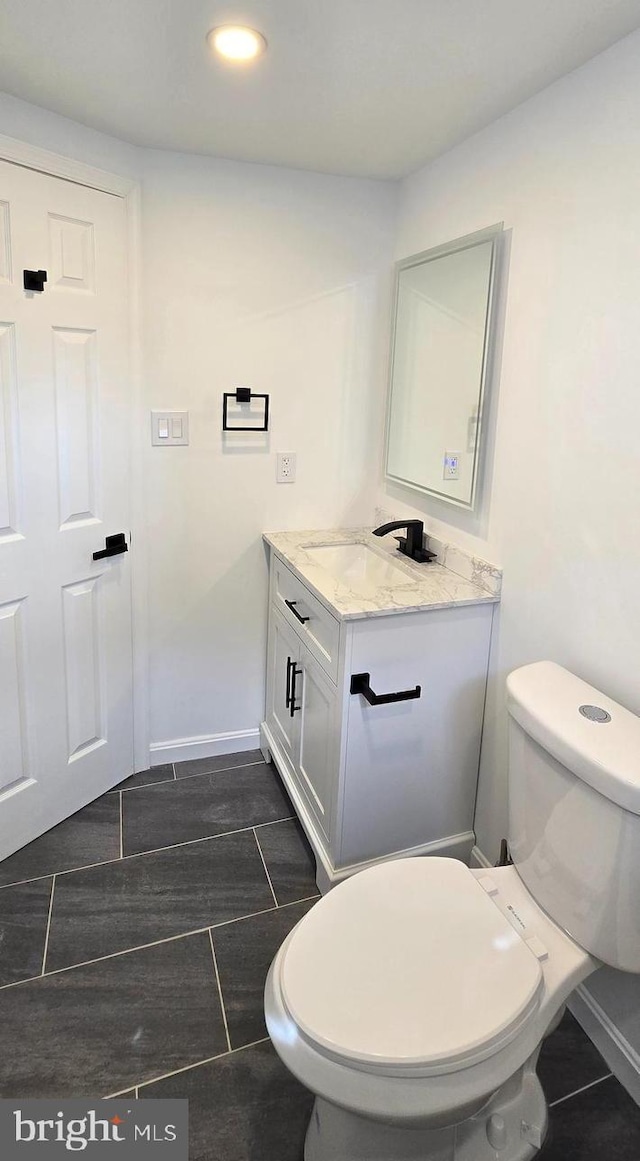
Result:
[66,720]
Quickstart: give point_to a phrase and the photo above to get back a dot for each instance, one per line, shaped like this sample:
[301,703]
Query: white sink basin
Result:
[357,566]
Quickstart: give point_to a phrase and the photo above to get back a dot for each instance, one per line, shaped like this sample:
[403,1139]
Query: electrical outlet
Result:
[451,467]
[286,468]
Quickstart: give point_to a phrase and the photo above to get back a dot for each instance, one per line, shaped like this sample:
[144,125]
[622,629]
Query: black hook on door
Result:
[34,280]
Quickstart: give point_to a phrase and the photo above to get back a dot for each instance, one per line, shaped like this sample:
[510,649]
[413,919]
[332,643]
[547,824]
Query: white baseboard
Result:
[453,846]
[478,859]
[203,746]
[622,1059]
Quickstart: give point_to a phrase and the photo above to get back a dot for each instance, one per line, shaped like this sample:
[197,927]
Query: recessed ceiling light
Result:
[235,42]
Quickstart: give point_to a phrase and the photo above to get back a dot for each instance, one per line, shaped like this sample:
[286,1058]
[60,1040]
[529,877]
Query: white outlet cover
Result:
[451,466]
[286,468]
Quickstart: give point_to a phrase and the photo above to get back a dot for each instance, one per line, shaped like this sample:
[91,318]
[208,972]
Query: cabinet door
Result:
[317,764]
[412,766]
[283,661]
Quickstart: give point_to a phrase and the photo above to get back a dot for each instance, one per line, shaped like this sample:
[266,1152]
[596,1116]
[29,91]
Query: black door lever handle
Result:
[114,545]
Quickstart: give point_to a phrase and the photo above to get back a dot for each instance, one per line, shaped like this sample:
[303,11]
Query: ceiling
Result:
[369,88]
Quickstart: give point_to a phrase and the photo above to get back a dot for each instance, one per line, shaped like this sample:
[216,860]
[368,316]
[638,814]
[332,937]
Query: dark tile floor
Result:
[134,943]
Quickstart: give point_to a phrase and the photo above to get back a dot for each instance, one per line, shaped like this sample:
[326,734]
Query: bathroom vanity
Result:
[376,678]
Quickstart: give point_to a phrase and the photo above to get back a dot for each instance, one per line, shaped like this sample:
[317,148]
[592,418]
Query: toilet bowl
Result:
[411,995]
[414,997]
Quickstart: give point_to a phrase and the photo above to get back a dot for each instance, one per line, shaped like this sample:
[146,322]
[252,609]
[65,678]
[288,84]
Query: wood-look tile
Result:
[132,902]
[600,1124]
[289,860]
[221,762]
[245,1106]
[92,835]
[195,808]
[150,777]
[568,1060]
[244,951]
[24,911]
[104,1027]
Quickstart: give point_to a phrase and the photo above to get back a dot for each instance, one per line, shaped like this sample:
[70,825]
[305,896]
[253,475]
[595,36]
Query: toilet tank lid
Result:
[603,749]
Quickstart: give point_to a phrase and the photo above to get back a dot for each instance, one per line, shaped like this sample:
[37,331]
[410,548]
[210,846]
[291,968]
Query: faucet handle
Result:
[411,544]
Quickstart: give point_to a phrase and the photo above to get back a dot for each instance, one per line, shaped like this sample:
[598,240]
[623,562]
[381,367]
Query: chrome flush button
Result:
[595,713]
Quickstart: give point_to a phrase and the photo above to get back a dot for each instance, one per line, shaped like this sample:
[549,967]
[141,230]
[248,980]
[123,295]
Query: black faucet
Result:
[411,545]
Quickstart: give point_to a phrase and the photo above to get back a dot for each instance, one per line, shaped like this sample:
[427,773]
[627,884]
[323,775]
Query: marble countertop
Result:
[427,586]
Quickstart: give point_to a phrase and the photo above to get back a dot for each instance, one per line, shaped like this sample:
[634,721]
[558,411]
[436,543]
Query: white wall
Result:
[47,130]
[279,280]
[562,511]
[253,275]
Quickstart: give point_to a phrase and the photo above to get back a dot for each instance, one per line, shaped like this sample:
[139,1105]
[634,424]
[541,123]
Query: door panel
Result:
[9,445]
[74,361]
[72,254]
[317,773]
[83,666]
[5,243]
[413,765]
[284,651]
[66,725]
[13,725]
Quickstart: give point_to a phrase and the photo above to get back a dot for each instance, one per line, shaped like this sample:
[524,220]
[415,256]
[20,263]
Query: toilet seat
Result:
[409,968]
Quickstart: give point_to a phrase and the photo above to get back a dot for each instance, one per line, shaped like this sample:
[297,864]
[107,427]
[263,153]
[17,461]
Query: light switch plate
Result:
[169,428]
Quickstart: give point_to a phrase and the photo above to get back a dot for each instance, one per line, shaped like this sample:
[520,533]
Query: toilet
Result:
[413,999]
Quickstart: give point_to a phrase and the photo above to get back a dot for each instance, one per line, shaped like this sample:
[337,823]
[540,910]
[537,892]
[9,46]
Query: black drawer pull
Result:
[114,545]
[290,605]
[295,672]
[287,698]
[360,683]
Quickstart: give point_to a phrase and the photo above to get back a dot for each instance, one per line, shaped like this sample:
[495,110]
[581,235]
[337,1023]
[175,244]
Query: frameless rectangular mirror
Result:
[441,339]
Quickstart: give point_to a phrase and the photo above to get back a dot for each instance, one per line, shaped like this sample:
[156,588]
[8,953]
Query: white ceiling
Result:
[364,87]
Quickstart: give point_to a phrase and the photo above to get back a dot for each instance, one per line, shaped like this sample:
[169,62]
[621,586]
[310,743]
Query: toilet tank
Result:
[574,808]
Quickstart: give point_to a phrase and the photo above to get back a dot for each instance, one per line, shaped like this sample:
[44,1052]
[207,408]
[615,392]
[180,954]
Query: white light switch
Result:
[169,428]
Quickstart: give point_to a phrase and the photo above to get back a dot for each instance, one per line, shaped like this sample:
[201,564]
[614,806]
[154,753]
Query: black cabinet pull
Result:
[287,697]
[290,605]
[114,545]
[360,683]
[295,672]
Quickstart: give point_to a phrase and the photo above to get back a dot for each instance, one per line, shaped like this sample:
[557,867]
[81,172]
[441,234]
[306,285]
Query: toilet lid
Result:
[409,965]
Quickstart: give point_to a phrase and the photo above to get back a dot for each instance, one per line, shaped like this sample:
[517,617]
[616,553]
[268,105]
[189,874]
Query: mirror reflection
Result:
[440,344]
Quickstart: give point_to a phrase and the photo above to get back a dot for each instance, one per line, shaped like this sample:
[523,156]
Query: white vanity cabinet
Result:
[370,781]
[302,700]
